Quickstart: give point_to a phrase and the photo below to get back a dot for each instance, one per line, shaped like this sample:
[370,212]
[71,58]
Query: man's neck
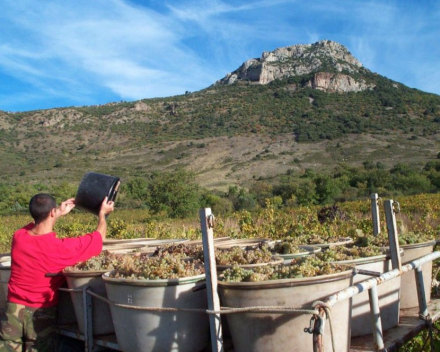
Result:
[41,228]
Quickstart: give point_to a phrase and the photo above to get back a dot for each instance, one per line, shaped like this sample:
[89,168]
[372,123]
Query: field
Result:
[419,216]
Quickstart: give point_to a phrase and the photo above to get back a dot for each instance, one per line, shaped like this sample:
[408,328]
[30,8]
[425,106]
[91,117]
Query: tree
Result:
[218,204]
[327,189]
[137,188]
[176,193]
[241,199]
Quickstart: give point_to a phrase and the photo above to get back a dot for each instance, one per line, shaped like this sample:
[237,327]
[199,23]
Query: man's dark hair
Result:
[40,206]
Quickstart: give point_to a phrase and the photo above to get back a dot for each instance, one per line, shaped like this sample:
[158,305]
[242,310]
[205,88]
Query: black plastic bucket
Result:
[94,187]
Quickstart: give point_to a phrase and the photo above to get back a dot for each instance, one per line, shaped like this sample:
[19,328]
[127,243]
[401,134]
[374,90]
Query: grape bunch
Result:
[103,261]
[309,266]
[382,240]
[286,246]
[166,266]
[321,239]
[338,253]
[189,251]
[243,256]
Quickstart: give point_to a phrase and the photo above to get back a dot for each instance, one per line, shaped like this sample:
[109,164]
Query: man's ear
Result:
[53,212]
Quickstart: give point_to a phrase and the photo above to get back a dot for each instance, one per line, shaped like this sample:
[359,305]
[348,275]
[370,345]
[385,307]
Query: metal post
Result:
[375,319]
[206,220]
[392,234]
[375,213]
[367,284]
[423,306]
[88,325]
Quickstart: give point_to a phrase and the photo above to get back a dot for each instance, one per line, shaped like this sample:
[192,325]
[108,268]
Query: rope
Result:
[265,309]
[223,310]
[327,309]
[70,289]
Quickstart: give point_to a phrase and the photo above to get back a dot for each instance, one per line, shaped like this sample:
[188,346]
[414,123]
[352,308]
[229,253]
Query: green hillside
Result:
[232,134]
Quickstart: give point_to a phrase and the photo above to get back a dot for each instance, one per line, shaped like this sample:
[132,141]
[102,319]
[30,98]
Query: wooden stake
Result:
[206,221]
[375,213]
[392,234]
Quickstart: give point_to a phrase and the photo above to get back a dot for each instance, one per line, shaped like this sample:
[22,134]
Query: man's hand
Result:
[106,207]
[65,207]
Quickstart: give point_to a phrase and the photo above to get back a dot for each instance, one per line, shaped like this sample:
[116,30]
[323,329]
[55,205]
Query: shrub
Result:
[176,193]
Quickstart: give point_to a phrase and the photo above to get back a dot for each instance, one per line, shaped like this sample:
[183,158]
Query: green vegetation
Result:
[177,194]
[162,134]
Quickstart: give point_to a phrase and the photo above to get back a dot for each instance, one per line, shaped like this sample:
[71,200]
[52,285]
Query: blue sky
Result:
[57,53]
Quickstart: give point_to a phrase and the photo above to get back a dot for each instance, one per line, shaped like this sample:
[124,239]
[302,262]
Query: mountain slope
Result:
[253,123]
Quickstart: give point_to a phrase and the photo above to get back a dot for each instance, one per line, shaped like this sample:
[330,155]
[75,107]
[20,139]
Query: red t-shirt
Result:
[32,257]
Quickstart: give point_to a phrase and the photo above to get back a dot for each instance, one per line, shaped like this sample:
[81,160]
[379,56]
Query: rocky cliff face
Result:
[331,61]
[330,82]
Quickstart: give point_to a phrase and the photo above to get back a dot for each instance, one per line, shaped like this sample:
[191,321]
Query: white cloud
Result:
[84,49]
[126,49]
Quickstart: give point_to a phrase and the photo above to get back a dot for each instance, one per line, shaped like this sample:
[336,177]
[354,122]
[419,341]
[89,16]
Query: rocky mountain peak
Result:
[303,59]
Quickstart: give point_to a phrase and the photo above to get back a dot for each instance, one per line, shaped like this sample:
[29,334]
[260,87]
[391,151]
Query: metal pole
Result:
[367,284]
[375,213]
[88,324]
[207,223]
[392,234]
[375,319]
[423,306]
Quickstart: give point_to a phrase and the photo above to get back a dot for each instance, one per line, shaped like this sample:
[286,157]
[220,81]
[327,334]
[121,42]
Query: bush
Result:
[218,204]
[176,193]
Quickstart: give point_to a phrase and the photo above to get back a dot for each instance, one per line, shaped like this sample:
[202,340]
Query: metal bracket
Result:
[210,219]
[317,325]
[310,329]
[398,207]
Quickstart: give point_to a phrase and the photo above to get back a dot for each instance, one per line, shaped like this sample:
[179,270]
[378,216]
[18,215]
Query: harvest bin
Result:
[144,331]
[5,274]
[101,316]
[409,297]
[388,294]
[262,332]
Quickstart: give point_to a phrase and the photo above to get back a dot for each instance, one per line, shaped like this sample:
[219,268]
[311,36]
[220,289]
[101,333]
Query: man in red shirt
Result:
[30,312]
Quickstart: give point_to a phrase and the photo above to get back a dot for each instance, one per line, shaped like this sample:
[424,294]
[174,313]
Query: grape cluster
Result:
[338,253]
[286,246]
[242,256]
[382,240]
[313,239]
[103,261]
[321,239]
[166,266]
[189,251]
[310,266]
